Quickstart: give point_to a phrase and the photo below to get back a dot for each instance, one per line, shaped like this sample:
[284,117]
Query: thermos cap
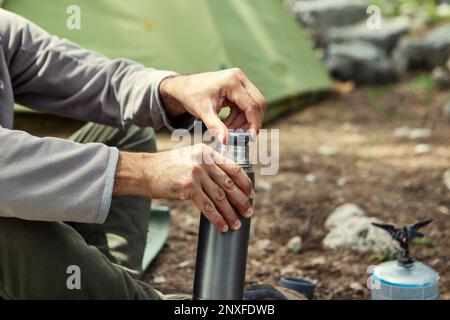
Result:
[237,148]
[238,138]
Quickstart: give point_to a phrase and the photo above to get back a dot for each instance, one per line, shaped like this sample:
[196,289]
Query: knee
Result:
[25,237]
[33,258]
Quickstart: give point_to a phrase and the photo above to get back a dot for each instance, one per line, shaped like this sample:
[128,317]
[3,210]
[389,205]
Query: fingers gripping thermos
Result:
[222,257]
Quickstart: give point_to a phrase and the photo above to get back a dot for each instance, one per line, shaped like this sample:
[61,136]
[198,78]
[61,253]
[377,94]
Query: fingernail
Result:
[252,194]
[220,137]
[253,135]
[225,228]
[249,212]
[237,225]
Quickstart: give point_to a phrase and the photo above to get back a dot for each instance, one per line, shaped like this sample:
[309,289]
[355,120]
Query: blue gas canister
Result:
[404,279]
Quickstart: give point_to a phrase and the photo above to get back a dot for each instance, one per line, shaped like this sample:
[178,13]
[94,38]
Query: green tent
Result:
[187,36]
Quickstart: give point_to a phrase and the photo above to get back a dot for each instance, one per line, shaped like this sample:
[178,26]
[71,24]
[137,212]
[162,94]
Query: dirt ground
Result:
[372,169]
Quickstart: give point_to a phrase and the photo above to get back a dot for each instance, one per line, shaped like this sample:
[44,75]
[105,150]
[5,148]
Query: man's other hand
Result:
[203,95]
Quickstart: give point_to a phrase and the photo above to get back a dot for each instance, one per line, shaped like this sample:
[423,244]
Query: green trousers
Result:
[56,260]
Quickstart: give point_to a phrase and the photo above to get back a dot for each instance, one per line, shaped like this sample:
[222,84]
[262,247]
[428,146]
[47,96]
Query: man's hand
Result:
[214,183]
[204,95]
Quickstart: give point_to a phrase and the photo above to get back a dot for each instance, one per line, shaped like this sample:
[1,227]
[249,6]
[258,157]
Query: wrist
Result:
[167,90]
[130,178]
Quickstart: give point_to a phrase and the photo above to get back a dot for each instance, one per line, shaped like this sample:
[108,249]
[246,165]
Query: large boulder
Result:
[437,44]
[360,62]
[385,38]
[410,54]
[330,13]
[320,15]
[424,53]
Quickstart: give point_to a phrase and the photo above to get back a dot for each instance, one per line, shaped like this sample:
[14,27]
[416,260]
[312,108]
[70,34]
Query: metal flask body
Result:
[222,257]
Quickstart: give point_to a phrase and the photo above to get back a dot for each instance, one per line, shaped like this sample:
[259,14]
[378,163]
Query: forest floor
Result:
[371,168]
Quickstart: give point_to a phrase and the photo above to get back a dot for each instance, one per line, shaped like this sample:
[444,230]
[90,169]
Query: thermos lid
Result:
[237,148]
[238,138]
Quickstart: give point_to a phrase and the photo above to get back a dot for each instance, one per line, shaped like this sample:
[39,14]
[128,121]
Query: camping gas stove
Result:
[404,279]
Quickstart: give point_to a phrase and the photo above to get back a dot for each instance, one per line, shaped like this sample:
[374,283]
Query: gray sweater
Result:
[52,179]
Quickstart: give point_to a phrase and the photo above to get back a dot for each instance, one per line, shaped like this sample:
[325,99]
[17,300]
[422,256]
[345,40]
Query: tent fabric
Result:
[188,36]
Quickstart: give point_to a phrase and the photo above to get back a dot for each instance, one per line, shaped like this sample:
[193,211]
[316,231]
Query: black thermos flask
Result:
[222,257]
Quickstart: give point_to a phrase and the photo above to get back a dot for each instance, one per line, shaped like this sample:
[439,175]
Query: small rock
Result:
[435,262]
[318,261]
[183,264]
[310,178]
[422,149]
[295,244]
[326,151]
[264,245]
[189,221]
[446,178]
[159,280]
[342,214]
[289,269]
[342,181]
[263,185]
[347,126]
[255,263]
[419,133]
[443,210]
[412,133]
[357,287]
[263,271]
[402,132]
[306,159]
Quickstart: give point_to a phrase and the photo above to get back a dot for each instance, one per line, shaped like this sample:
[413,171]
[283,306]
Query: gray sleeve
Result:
[50,179]
[57,76]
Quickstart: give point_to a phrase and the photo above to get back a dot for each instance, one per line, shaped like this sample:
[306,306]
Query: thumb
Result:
[216,127]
